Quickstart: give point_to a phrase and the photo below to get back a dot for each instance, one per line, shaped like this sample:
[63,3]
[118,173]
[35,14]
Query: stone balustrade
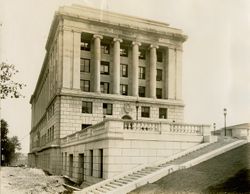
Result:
[83,134]
[186,128]
[141,126]
[119,126]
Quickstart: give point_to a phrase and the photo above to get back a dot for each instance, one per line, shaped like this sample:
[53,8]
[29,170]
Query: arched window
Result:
[127,117]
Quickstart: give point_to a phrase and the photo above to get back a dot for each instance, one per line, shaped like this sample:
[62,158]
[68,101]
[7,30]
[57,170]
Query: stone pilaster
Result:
[178,74]
[116,66]
[152,71]
[76,60]
[170,74]
[97,63]
[135,67]
[67,56]
[70,59]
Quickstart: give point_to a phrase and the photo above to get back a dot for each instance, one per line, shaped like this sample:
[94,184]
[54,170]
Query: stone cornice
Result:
[114,97]
[39,149]
[177,36]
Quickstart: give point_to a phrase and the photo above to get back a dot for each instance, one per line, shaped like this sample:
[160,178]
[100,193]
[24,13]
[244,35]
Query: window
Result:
[124,70]
[105,48]
[158,93]
[142,72]
[65,161]
[124,51]
[81,166]
[105,87]
[162,113]
[85,65]
[142,91]
[124,89]
[107,109]
[85,126]
[101,163]
[49,135]
[145,111]
[85,45]
[86,107]
[51,111]
[85,85]
[159,75]
[159,56]
[70,165]
[91,161]
[52,133]
[142,54]
[105,68]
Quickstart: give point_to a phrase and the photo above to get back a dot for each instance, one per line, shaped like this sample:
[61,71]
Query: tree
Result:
[8,87]
[9,146]
[4,139]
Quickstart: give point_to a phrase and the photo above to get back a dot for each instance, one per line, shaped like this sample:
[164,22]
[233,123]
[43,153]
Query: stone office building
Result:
[109,95]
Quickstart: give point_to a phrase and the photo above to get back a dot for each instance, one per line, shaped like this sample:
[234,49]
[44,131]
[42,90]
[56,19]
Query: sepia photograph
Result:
[135,96]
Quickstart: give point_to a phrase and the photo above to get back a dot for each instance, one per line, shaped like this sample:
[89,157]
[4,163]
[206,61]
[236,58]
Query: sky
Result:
[216,69]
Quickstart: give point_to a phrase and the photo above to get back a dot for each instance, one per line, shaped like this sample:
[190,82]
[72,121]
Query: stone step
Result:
[136,175]
[131,177]
[108,188]
[113,186]
[155,168]
[149,170]
[122,182]
[96,191]
[126,179]
[142,173]
[102,190]
[115,183]
[199,152]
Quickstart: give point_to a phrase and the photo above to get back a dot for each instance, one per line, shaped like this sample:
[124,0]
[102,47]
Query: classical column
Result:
[97,63]
[152,71]
[135,67]
[116,66]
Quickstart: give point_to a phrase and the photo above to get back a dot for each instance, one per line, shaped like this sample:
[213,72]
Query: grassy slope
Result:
[229,172]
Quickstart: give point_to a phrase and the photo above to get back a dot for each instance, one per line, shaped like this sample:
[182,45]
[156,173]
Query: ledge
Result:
[39,149]
[114,97]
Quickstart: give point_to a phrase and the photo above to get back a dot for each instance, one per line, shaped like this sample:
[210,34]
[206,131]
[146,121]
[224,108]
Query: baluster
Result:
[124,125]
[128,126]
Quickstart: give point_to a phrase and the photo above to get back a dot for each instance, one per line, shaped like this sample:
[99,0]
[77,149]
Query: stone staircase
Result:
[150,173]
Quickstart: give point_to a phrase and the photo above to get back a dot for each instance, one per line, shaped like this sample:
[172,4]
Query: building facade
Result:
[106,79]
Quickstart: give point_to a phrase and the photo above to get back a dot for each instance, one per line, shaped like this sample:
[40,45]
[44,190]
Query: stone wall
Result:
[123,147]
[72,118]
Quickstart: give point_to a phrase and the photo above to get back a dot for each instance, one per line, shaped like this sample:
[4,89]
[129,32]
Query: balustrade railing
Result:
[186,128]
[141,126]
[118,125]
[83,133]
